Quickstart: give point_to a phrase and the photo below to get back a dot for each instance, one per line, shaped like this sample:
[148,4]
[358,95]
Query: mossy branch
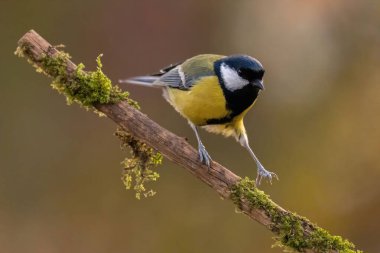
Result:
[291,231]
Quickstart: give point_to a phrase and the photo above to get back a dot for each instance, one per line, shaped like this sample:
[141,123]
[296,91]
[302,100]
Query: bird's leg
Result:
[204,157]
[261,171]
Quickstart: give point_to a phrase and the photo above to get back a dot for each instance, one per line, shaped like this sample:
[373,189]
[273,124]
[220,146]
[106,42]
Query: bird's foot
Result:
[263,173]
[204,157]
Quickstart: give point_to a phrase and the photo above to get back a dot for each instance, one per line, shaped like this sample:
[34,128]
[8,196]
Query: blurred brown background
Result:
[316,125]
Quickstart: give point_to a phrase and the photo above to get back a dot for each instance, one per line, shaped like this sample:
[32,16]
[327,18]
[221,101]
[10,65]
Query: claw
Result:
[204,157]
[263,173]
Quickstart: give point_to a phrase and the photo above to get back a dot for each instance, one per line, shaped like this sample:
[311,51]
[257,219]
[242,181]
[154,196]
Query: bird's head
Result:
[237,71]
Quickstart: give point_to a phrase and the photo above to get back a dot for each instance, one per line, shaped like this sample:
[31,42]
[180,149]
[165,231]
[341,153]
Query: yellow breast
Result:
[204,101]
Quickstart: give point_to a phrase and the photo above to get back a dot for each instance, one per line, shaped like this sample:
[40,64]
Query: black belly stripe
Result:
[237,102]
[219,121]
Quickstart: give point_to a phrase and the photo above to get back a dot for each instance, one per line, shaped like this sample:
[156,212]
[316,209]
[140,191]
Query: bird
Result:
[213,92]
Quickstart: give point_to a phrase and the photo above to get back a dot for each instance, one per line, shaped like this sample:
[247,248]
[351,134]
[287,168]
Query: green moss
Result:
[86,88]
[83,87]
[139,169]
[293,231]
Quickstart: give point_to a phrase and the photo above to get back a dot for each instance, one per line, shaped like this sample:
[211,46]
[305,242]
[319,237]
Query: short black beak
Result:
[259,84]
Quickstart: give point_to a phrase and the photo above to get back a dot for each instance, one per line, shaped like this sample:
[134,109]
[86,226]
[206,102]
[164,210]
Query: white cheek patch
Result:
[232,80]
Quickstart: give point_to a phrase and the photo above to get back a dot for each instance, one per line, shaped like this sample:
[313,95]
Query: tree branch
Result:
[291,230]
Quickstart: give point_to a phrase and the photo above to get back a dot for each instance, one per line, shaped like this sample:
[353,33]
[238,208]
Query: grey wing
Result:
[176,78]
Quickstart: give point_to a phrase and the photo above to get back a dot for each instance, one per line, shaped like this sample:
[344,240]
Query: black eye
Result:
[250,74]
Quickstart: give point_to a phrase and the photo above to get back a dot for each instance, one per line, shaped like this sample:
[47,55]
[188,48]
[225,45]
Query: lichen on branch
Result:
[139,168]
[293,232]
[88,88]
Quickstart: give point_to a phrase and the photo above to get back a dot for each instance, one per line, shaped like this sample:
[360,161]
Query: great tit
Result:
[213,92]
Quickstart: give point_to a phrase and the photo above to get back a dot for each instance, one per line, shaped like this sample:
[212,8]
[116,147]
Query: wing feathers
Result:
[179,76]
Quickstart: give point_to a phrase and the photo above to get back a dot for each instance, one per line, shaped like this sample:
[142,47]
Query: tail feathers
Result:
[142,80]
